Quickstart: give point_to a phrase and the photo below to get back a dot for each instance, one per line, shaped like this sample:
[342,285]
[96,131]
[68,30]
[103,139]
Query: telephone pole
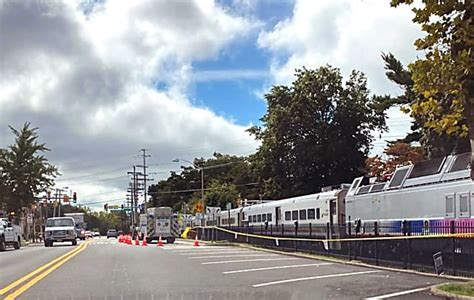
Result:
[144,156]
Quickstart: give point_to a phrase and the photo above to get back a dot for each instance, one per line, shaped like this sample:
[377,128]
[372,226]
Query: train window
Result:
[377,187]
[264,217]
[398,177]
[464,203]
[250,219]
[254,217]
[311,214]
[259,218]
[287,215]
[318,213]
[449,204]
[294,215]
[303,214]
[269,217]
[462,162]
[332,207]
[427,167]
[363,190]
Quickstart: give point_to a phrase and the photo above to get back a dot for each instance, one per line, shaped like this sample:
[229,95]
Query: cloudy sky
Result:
[103,79]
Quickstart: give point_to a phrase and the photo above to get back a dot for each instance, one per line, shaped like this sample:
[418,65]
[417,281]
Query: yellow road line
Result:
[35,280]
[38,270]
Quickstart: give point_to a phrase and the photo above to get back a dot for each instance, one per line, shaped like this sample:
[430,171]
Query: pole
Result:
[202,186]
[144,155]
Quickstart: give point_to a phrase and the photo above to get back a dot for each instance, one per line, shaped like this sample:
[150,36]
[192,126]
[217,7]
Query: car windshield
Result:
[59,222]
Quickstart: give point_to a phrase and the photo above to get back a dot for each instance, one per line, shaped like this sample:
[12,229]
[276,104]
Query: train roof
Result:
[433,171]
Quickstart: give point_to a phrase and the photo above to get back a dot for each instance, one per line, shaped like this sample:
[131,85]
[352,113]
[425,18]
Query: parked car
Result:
[96,233]
[9,235]
[60,230]
[112,233]
[88,234]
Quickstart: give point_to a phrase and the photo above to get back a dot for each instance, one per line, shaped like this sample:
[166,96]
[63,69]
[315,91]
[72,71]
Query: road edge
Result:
[438,292]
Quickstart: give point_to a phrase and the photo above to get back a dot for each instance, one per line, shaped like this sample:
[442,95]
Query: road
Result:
[106,269]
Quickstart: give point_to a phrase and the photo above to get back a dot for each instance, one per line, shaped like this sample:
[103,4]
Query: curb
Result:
[437,292]
[356,263]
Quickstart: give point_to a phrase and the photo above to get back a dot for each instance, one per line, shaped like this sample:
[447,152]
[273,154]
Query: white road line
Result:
[398,293]
[216,252]
[275,268]
[227,256]
[247,260]
[311,278]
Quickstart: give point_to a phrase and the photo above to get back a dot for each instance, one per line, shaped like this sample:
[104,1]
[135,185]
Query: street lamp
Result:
[200,169]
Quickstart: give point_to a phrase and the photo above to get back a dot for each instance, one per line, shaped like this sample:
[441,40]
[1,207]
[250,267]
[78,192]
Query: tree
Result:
[219,194]
[185,187]
[26,172]
[436,144]
[399,154]
[316,132]
[445,77]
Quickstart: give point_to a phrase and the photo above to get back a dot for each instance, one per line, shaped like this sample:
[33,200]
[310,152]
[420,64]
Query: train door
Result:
[277,215]
[332,212]
[463,208]
[450,205]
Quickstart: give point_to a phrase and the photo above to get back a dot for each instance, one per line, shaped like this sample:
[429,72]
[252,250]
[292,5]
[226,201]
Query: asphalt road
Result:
[105,269]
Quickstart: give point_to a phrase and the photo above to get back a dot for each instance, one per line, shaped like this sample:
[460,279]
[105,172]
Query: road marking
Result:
[247,260]
[217,252]
[227,256]
[34,272]
[311,278]
[35,280]
[278,267]
[398,293]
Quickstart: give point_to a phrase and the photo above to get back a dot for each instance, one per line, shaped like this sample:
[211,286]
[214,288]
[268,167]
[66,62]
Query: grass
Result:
[465,289]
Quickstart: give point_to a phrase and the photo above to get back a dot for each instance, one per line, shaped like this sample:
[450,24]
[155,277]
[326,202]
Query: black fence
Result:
[415,252]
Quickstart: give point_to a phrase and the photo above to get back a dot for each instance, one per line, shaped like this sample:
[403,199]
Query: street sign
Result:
[438,263]
[228,206]
[198,207]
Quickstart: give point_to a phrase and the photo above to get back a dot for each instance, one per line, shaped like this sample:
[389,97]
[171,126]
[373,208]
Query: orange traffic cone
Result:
[137,242]
[196,241]
[160,242]
[129,240]
[120,239]
[144,243]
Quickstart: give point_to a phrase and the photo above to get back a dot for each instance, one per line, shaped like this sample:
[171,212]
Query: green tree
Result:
[316,132]
[184,188]
[25,171]
[436,144]
[445,77]
[219,194]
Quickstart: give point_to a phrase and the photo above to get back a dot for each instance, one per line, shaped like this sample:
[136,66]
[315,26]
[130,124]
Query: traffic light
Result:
[74,197]
[106,207]
[122,206]
[49,195]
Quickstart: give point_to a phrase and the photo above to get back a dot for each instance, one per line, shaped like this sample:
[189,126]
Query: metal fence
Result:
[409,251]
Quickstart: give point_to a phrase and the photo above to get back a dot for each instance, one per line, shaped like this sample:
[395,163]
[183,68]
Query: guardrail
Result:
[413,252]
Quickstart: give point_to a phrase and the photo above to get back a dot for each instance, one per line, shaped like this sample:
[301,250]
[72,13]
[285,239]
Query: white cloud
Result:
[86,81]
[347,34]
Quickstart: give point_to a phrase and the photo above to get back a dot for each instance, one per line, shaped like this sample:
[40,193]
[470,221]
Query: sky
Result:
[182,79]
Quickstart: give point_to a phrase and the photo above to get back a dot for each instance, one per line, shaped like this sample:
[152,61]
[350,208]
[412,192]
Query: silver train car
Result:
[431,196]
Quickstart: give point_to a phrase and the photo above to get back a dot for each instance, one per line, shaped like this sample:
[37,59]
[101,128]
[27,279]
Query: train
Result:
[432,196]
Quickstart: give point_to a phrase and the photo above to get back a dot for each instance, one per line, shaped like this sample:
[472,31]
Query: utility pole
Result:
[144,156]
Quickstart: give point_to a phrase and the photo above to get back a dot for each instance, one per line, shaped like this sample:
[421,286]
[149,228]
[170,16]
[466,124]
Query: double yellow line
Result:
[40,273]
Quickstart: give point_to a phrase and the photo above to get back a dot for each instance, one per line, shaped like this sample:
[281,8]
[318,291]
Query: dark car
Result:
[112,233]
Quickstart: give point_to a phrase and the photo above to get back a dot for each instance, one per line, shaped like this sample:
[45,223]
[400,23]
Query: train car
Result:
[233,217]
[427,197]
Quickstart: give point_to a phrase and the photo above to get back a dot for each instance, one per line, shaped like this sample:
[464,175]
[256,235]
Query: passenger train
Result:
[433,194]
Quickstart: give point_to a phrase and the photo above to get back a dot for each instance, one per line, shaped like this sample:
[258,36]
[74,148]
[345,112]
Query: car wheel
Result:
[74,242]
[46,244]
[3,246]
[17,244]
